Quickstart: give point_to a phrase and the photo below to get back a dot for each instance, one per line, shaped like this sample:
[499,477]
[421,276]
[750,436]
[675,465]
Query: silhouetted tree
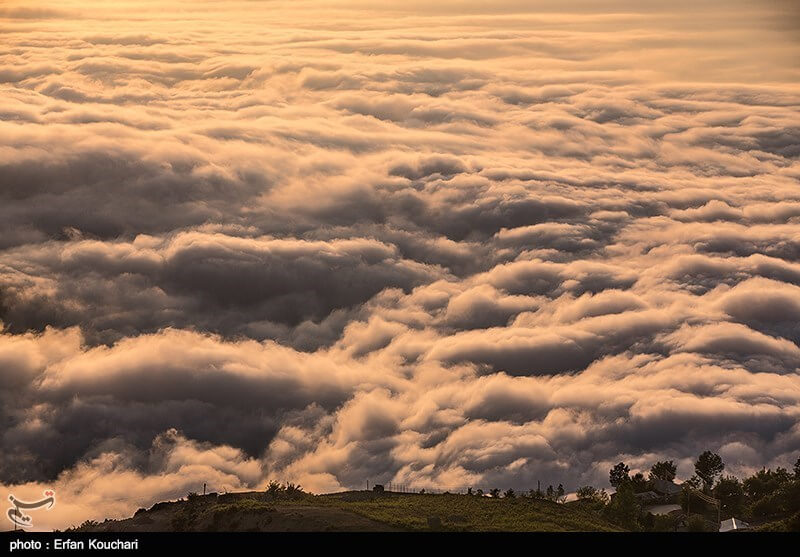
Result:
[708,466]
[619,475]
[494,492]
[730,492]
[664,470]
[638,483]
[686,492]
[586,493]
[766,482]
[797,469]
[560,494]
[592,494]
[509,493]
[694,482]
[550,493]
[623,509]
[479,492]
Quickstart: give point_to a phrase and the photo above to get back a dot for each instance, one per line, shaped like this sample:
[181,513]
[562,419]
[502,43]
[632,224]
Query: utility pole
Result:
[204,488]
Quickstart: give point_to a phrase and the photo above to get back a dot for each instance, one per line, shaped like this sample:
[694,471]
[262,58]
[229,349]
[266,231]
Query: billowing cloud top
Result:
[439,244]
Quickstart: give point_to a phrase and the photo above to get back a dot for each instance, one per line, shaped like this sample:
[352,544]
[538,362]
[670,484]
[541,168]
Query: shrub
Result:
[592,494]
[767,506]
[665,523]
[293,490]
[696,523]
[184,520]
[793,496]
[274,488]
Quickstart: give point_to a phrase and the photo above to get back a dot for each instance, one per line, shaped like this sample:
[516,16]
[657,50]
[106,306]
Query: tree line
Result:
[770,498]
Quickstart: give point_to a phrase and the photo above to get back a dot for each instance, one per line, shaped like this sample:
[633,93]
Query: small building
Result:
[663,510]
[665,487]
[733,525]
[647,497]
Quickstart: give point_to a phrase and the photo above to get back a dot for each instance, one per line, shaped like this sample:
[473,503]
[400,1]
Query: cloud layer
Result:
[332,242]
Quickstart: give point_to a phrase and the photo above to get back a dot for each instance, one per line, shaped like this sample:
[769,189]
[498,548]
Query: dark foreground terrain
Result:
[353,512]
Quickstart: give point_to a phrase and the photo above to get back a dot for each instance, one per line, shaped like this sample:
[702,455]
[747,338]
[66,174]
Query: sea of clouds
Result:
[434,243]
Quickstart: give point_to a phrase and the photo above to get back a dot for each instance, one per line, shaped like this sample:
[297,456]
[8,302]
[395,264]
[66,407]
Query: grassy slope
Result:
[358,511]
[464,513]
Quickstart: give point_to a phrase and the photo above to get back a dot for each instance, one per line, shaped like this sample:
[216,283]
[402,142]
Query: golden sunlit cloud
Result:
[439,244]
